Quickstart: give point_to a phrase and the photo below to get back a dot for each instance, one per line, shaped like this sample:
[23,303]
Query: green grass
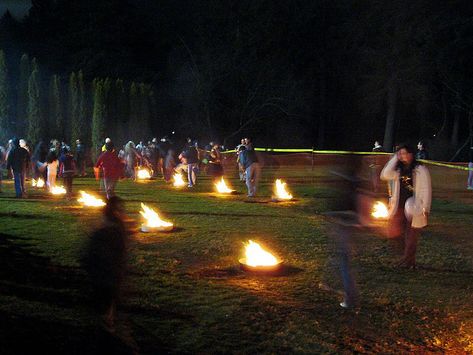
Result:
[185,292]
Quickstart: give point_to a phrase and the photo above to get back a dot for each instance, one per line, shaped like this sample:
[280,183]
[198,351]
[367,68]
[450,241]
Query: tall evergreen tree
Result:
[98,117]
[83,109]
[121,111]
[56,116]
[134,125]
[74,102]
[4,107]
[35,120]
[22,93]
[145,109]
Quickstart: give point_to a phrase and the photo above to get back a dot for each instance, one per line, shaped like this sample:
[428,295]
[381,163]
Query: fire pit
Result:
[280,191]
[153,222]
[259,260]
[143,174]
[178,180]
[89,200]
[379,211]
[38,183]
[222,188]
[58,190]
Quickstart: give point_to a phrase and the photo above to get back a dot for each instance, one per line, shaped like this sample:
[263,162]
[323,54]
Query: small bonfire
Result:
[380,210]
[143,174]
[153,222]
[280,191]
[178,180]
[222,187]
[258,259]
[58,190]
[38,183]
[90,200]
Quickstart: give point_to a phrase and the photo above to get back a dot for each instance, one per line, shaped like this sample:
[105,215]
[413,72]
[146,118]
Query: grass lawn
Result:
[186,294]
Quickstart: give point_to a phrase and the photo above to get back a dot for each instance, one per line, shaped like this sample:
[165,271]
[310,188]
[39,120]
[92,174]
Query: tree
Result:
[134,127]
[74,102]
[22,93]
[36,127]
[98,117]
[56,115]
[4,106]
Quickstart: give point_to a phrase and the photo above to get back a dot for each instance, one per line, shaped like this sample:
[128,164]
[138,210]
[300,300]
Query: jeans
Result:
[253,173]
[191,169]
[19,183]
[109,185]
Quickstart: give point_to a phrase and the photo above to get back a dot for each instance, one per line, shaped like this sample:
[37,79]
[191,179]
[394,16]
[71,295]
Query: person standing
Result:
[18,161]
[421,154]
[192,157]
[409,204]
[52,164]
[80,158]
[113,169]
[249,162]
[67,168]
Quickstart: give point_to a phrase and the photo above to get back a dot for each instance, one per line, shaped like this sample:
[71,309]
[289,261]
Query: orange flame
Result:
[37,183]
[281,191]
[58,190]
[153,221]
[143,174]
[257,256]
[222,187]
[178,180]
[89,200]
[379,210]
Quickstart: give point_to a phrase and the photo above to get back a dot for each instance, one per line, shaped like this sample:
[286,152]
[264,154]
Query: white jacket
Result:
[422,190]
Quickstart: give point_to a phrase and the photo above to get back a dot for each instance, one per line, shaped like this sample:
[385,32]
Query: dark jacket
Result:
[247,157]
[18,158]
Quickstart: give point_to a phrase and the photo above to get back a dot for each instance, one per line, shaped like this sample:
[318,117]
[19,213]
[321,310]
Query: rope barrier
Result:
[314,151]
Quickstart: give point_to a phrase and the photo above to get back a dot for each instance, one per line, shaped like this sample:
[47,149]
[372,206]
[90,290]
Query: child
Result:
[67,169]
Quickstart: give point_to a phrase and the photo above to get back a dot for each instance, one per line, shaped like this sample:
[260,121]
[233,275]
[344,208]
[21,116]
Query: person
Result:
[18,160]
[104,147]
[191,156]
[241,169]
[37,160]
[80,158]
[52,164]
[169,165]
[131,157]
[375,167]
[112,167]
[410,180]
[215,168]
[67,169]
[469,185]
[25,145]
[249,162]
[105,258]
[377,147]
[421,154]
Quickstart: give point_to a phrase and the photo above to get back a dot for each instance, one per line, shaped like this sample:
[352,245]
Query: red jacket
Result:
[111,165]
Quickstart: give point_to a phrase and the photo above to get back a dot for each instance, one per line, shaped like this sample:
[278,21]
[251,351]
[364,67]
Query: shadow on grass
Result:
[236,271]
[231,214]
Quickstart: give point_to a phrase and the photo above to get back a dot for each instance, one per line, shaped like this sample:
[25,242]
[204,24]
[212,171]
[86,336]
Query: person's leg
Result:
[249,180]
[396,229]
[470,176]
[412,237]
[17,178]
[256,176]
[22,183]
[190,174]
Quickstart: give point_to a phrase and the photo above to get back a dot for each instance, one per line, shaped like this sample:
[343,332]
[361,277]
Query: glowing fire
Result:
[178,180]
[379,210]
[281,192]
[257,256]
[89,200]
[143,174]
[153,221]
[58,190]
[222,187]
[37,183]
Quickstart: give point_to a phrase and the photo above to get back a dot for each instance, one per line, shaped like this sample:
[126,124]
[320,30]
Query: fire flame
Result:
[222,187]
[143,174]
[152,218]
[281,192]
[379,210]
[58,190]
[89,200]
[37,183]
[257,256]
[178,180]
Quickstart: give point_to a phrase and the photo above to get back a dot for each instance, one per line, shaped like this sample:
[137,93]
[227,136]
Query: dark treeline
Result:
[328,74]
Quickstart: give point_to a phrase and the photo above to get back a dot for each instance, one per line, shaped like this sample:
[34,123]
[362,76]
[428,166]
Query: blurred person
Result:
[241,169]
[18,160]
[67,169]
[3,159]
[169,165]
[28,170]
[375,165]
[51,170]
[421,153]
[112,167]
[131,158]
[38,159]
[191,156]
[215,168]
[104,148]
[80,158]
[105,261]
[469,185]
[410,180]
[249,162]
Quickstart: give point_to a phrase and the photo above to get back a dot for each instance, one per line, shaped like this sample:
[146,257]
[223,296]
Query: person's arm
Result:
[389,171]
[423,194]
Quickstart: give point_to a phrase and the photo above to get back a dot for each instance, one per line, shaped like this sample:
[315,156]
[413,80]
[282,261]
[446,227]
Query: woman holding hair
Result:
[409,204]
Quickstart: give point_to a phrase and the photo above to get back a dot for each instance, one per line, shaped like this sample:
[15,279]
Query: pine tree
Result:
[83,109]
[34,114]
[56,116]
[145,108]
[121,111]
[4,107]
[98,117]
[134,117]
[22,94]
[74,107]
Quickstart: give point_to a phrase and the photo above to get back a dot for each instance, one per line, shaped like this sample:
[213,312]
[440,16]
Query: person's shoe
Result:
[469,188]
